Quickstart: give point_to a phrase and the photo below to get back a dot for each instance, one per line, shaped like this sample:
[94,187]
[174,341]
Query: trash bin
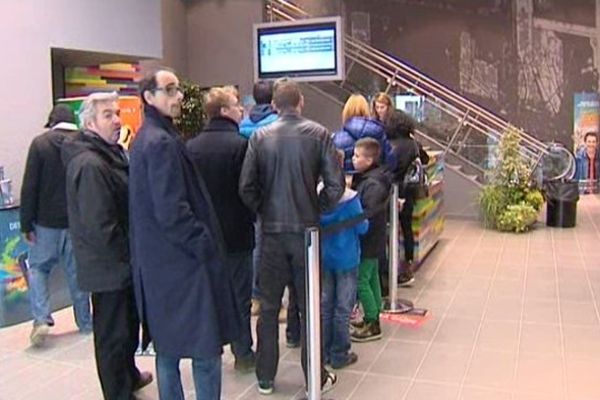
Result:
[561,207]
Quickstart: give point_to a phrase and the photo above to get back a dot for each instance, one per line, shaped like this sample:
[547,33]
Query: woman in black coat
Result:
[400,131]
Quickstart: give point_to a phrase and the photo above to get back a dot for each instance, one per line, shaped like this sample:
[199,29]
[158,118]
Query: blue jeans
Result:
[240,269]
[338,298]
[51,247]
[206,372]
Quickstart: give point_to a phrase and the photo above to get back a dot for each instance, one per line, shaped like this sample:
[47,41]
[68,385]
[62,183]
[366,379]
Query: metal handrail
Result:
[436,91]
[395,72]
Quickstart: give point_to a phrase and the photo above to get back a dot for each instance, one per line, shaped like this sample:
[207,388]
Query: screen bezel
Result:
[296,26]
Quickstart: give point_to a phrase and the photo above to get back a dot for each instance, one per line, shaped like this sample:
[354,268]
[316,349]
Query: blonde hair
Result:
[356,106]
[384,98]
[218,97]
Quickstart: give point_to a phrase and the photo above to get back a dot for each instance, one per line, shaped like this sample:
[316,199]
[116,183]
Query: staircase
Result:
[466,132]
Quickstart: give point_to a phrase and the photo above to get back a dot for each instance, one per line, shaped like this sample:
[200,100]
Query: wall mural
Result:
[522,59]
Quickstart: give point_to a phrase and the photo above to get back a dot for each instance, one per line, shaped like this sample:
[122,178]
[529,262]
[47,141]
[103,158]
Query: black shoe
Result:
[351,358]
[370,332]
[265,387]
[406,278]
[245,364]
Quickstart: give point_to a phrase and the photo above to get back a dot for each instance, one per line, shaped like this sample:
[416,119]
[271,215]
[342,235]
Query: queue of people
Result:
[175,240]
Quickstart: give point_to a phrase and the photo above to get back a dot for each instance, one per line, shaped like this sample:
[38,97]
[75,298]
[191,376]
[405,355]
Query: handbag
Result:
[415,180]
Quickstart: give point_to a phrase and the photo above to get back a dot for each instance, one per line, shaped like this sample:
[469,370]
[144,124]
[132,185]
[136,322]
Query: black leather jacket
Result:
[283,164]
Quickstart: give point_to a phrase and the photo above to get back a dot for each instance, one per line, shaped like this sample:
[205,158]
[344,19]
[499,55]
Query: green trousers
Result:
[369,289]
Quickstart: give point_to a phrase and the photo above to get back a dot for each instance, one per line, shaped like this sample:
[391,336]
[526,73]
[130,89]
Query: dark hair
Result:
[399,124]
[263,92]
[149,82]
[286,94]
[371,148]
[590,134]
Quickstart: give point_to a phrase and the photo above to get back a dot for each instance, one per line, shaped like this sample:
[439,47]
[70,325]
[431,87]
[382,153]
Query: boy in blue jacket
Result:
[341,256]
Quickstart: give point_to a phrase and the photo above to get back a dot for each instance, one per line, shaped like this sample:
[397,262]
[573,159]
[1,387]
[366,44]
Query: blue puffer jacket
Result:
[260,115]
[341,251]
[360,127]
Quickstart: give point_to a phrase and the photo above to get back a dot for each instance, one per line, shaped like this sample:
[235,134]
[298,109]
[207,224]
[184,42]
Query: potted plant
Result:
[192,118]
[510,202]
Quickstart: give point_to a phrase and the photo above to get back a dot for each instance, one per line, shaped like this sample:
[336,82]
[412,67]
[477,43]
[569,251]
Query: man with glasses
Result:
[183,292]
[219,152]
[96,190]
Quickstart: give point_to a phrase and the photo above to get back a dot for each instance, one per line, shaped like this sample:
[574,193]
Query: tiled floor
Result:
[512,317]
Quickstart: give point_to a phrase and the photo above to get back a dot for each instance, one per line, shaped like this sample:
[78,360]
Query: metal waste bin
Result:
[561,207]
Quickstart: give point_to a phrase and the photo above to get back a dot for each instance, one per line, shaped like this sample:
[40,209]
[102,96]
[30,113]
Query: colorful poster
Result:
[14,300]
[585,140]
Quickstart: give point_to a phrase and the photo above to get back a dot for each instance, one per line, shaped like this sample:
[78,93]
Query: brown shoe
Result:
[146,378]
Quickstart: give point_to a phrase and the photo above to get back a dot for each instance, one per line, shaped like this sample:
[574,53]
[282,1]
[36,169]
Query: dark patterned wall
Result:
[488,50]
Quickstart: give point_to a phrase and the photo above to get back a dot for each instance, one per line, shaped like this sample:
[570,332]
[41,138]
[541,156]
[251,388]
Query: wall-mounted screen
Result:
[306,50]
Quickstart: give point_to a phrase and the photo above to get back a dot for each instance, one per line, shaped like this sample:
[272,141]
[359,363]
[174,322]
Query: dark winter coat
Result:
[96,190]
[373,187]
[283,164]
[218,153]
[405,150]
[182,290]
[357,128]
[43,196]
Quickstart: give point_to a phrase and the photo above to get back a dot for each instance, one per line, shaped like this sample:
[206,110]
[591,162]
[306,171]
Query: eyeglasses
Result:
[170,91]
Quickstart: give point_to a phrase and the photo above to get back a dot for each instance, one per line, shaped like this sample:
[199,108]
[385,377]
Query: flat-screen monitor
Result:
[305,50]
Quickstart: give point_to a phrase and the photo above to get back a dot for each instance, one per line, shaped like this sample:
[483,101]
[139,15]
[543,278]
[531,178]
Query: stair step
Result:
[456,167]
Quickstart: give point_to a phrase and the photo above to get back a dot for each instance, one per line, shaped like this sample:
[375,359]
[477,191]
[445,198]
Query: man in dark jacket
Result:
[44,224]
[219,152]
[279,180]
[98,215]
[182,288]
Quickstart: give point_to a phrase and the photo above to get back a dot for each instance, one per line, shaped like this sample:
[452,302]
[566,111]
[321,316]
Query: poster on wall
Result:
[585,140]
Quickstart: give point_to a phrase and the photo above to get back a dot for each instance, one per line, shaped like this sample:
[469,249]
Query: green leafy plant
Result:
[193,116]
[510,202]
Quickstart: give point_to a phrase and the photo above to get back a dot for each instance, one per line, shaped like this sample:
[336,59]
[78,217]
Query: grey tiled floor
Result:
[512,317]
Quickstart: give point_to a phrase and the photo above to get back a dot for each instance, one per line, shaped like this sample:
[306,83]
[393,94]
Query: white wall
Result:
[29,28]
[220,41]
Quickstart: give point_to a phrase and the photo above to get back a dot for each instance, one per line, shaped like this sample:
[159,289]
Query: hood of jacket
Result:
[260,112]
[361,127]
[348,197]
[85,141]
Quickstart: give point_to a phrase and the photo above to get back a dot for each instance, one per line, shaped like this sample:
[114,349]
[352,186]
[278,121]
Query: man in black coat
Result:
[283,164]
[44,224]
[183,291]
[97,179]
[218,153]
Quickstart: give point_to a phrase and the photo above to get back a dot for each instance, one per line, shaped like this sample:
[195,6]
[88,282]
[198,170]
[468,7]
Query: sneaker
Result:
[146,378]
[245,364]
[329,383]
[292,344]
[351,358]
[370,332]
[38,334]
[406,279]
[265,387]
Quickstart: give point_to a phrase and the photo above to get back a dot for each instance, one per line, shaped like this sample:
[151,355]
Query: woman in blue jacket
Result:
[357,124]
